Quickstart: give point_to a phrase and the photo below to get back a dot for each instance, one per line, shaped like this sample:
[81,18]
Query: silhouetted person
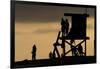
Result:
[64,27]
[50,55]
[75,52]
[80,50]
[67,26]
[72,41]
[34,52]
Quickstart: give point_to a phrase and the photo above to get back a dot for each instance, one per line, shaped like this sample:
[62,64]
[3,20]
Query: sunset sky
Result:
[39,25]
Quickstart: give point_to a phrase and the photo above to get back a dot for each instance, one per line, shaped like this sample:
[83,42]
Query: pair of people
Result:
[64,27]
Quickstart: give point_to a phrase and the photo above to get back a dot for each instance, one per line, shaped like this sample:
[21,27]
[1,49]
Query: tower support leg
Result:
[85,49]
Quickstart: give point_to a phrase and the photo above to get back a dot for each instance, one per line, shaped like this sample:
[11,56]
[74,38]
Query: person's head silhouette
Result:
[34,47]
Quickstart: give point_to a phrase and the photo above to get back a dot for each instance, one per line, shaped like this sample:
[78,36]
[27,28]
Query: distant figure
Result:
[34,52]
[50,55]
[72,41]
[75,52]
[64,27]
[80,50]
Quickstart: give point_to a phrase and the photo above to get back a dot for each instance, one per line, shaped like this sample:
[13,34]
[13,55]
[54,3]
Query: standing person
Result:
[50,55]
[75,52]
[67,27]
[72,47]
[34,52]
[63,28]
[80,50]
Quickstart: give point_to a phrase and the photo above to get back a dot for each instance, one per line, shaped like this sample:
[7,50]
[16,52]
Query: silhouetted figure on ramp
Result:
[80,50]
[34,52]
[67,27]
[64,27]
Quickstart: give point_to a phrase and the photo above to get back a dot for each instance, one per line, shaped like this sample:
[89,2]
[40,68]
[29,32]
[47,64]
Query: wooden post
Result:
[63,44]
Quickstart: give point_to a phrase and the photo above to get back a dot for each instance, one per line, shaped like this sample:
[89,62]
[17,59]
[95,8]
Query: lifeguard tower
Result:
[77,33]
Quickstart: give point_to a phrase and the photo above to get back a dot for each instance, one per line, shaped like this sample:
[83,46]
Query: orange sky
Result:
[43,35]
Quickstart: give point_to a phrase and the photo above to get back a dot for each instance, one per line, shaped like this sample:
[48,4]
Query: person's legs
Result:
[32,57]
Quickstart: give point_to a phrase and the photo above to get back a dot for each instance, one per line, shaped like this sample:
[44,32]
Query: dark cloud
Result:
[38,31]
[37,13]
[43,31]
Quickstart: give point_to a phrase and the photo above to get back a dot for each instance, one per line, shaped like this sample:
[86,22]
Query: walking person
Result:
[80,50]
